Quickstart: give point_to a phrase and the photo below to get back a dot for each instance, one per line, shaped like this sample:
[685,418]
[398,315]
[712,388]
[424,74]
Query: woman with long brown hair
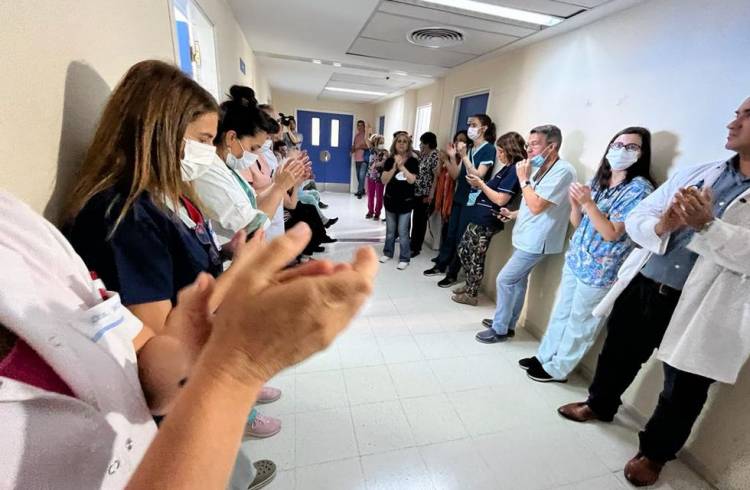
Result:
[482,214]
[134,216]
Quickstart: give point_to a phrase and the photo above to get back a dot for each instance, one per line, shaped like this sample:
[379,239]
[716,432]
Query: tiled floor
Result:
[406,399]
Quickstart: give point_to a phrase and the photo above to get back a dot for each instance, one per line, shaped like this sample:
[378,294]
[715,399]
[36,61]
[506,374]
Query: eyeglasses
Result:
[630,146]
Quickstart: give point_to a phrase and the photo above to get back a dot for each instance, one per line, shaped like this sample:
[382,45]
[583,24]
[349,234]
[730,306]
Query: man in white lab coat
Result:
[696,213]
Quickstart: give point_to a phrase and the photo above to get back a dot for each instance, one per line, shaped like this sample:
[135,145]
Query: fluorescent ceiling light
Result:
[401,73]
[317,62]
[498,11]
[354,91]
[337,64]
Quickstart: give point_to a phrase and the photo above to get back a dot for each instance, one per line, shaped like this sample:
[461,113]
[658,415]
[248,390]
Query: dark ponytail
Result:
[242,115]
[490,134]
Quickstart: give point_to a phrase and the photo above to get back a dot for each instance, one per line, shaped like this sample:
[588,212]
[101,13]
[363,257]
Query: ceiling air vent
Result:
[435,37]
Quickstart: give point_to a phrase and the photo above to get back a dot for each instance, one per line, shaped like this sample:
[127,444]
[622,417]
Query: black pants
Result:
[449,247]
[308,214]
[636,326]
[420,216]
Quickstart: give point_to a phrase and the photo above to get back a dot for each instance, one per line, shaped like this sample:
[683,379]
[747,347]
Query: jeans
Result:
[420,215]
[361,168]
[511,289]
[635,328]
[450,244]
[572,328]
[375,189]
[403,222]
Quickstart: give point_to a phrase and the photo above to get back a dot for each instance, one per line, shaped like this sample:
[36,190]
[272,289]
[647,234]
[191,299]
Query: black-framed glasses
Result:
[630,146]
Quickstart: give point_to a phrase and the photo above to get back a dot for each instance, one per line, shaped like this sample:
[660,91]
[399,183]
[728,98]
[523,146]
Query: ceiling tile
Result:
[440,17]
[404,51]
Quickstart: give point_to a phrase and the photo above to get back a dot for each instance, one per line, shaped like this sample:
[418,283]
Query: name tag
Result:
[106,316]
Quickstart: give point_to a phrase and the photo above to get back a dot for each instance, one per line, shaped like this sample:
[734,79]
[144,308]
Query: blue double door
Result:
[328,132]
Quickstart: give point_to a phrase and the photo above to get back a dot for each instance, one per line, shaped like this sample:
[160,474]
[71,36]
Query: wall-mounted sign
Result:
[242,66]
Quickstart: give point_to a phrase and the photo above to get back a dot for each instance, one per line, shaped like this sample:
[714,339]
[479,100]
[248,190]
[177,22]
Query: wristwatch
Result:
[526,184]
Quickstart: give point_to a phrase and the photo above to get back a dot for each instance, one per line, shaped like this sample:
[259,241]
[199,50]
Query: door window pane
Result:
[422,123]
[334,133]
[316,131]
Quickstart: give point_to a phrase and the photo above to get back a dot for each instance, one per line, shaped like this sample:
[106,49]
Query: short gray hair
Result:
[551,133]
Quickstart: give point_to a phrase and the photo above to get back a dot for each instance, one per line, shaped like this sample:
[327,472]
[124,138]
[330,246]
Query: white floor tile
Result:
[433,419]
[456,465]
[369,385]
[335,475]
[323,436]
[437,346]
[414,379]
[381,427]
[607,482]
[408,373]
[402,348]
[321,390]
[396,470]
[360,352]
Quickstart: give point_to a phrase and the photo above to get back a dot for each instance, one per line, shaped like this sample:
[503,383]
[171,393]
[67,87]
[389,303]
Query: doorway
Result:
[327,137]
[467,106]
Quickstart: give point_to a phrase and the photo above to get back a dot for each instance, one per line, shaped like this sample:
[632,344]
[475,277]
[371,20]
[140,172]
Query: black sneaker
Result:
[319,249]
[328,239]
[331,222]
[447,282]
[435,259]
[322,205]
[490,337]
[529,362]
[487,323]
[537,373]
[435,271]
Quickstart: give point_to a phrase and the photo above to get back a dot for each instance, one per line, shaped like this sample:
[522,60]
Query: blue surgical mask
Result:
[537,161]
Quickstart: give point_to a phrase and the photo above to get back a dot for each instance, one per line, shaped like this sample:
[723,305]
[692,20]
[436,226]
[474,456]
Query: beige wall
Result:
[678,67]
[60,61]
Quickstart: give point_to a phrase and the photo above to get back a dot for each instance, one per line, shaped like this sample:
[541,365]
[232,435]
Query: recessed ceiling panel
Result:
[549,7]
[403,51]
[434,16]
[387,27]
[385,82]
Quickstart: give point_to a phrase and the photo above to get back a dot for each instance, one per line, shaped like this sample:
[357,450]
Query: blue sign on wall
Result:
[242,66]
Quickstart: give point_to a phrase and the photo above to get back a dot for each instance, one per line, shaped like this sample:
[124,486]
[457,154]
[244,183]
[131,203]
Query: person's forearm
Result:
[197,444]
[535,203]
[270,199]
[454,170]
[470,170]
[387,176]
[575,216]
[603,225]
[498,198]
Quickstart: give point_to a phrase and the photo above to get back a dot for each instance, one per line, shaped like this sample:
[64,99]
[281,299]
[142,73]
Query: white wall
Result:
[678,67]
[60,62]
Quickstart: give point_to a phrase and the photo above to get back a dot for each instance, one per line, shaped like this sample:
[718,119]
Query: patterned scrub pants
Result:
[472,251]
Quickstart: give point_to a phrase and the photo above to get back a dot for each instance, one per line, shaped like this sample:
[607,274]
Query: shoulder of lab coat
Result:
[224,199]
[641,221]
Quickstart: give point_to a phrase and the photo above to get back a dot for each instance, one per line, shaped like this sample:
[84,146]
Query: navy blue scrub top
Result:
[152,253]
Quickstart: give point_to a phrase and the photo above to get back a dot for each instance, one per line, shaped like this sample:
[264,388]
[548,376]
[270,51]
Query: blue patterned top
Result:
[592,259]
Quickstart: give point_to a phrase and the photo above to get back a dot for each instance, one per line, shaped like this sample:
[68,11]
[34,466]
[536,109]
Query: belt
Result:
[662,288]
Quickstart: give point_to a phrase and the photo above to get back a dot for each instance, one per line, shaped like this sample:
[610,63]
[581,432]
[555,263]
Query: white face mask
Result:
[473,133]
[267,145]
[197,160]
[243,162]
[621,159]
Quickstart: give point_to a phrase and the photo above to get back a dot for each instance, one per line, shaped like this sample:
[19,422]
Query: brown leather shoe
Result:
[577,412]
[641,471]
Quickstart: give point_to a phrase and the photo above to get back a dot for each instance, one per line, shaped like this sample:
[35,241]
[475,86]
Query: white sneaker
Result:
[402,265]
[384,259]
